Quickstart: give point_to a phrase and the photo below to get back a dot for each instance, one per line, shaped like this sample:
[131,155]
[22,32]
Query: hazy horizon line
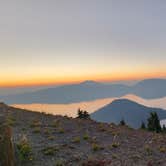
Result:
[123,81]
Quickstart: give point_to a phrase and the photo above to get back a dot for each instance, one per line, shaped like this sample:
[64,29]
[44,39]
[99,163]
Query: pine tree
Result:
[143,126]
[164,128]
[122,122]
[154,122]
[83,114]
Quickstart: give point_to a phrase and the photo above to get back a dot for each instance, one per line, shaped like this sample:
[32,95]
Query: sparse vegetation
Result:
[24,150]
[86,136]
[96,147]
[96,162]
[162,149]
[50,150]
[11,121]
[76,140]
[46,131]
[61,130]
[36,130]
[115,145]
[81,140]
[35,123]
[56,123]
[51,138]
[60,162]
[148,150]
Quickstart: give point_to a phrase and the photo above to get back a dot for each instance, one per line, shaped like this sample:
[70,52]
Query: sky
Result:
[61,41]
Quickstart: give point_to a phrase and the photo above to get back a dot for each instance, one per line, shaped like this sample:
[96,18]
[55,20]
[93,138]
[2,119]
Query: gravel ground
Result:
[65,141]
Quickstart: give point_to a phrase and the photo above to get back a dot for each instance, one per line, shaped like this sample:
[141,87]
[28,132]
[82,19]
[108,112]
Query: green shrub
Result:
[51,138]
[36,130]
[148,150]
[85,136]
[115,145]
[50,151]
[35,123]
[10,121]
[162,149]
[76,140]
[96,147]
[61,130]
[24,150]
[60,162]
[55,123]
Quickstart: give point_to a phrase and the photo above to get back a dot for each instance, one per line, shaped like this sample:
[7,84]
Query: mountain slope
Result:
[132,112]
[58,140]
[89,90]
[151,88]
[85,91]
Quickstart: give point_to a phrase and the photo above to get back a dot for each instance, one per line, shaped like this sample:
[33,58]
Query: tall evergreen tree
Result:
[164,128]
[154,123]
[143,126]
[122,122]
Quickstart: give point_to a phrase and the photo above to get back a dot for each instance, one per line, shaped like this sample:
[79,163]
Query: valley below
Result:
[90,106]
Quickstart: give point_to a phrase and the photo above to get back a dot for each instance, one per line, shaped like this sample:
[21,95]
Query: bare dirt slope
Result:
[58,141]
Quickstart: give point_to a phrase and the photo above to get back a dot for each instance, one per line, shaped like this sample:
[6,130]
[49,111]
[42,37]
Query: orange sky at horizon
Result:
[60,80]
[56,43]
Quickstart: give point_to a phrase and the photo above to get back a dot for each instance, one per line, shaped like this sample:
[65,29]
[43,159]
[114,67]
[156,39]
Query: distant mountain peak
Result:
[89,82]
[123,101]
[133,113]
[152,80]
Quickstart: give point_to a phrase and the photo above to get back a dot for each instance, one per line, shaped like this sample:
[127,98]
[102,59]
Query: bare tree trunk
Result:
[6,147]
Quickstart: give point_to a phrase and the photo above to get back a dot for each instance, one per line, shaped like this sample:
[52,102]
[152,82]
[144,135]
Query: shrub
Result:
[115,145]
[61,130]
[10,121]
[55,123]
[85,136]
[148,150]
[76,140]
[96,147]
[51,138]
[162,149]
[50,151]
[59,162]
[35,123]
[46,131]
[36,130]
[96,162]
[24,150]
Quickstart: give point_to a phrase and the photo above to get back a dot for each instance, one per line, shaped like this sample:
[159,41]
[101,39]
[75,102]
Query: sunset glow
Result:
[58,43]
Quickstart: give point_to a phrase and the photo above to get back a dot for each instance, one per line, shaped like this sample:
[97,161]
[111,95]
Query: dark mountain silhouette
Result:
[132,112]
[89,90]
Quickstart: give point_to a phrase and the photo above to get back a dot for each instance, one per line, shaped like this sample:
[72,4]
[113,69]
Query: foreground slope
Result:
[57,140]
[133,113]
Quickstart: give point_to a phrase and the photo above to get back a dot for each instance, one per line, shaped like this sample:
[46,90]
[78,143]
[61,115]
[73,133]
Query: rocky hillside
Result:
[47,140]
